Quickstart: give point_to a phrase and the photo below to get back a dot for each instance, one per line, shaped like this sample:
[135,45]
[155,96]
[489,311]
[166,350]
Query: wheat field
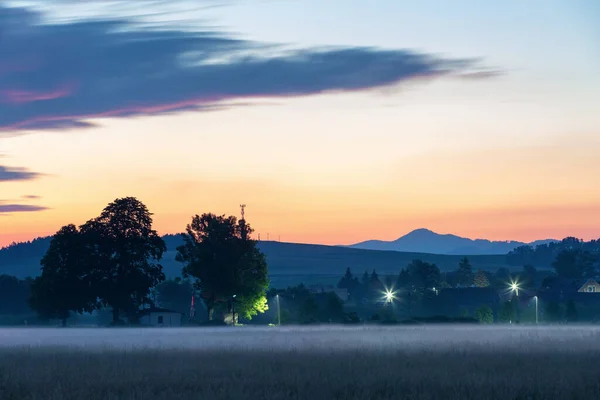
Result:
[443,362]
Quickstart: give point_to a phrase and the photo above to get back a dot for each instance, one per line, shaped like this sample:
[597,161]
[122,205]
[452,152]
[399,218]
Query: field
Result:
[451,362]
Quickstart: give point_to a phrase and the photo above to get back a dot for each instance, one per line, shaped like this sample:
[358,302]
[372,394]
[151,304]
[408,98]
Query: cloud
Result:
[14,208]
[60,75]
[17,174]
[31,197]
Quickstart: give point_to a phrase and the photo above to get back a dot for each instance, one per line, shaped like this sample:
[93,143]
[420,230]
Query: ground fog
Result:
[415,362]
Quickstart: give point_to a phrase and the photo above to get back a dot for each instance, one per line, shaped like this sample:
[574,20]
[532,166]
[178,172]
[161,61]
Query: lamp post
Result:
[536,309]
[278,312]
[233,309]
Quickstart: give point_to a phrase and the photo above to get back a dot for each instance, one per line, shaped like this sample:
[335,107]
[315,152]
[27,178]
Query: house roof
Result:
[590,281]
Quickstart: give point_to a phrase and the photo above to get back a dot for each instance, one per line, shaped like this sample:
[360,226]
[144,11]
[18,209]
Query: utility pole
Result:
[243,222]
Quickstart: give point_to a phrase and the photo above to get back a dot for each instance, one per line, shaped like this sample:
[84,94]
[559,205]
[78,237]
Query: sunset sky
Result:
[335,122]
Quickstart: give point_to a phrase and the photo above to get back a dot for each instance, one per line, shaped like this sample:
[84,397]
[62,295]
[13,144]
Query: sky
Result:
[334,122]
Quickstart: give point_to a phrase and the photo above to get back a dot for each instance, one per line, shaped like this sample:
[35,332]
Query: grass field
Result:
[301,363]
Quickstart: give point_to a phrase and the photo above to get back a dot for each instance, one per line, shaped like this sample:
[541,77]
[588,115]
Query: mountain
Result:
[426,241]
[289,263]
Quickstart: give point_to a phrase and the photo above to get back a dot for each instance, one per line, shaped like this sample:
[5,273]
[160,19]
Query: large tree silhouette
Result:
[219,254]
[65,284]
[124,252]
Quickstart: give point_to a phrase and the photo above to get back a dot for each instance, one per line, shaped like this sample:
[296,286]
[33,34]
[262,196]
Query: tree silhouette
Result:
[65,284]
[350,283]
[481,280]
[464,275]
[507,312]
[424,275]
[124,252]
[14,295]
[574,264]
[224,262]
[484,314]
[571,312]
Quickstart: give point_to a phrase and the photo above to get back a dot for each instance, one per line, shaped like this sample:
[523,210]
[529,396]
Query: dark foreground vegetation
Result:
[529,367]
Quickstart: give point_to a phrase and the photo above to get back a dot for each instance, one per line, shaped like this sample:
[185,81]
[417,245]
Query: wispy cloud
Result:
[15,208]
[17,174]
[60,75]
[31,197]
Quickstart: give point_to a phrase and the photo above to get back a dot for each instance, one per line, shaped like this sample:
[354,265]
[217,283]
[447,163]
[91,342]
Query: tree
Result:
[464,275]
[65,284]
[14,295]
[571,312]
[484,314]
[124,253]
[529,275]
[481,280]
[501,277]
[423,275]
[309,311]
[574,264]
[350,283]
[332,308]
[553,311]
[507,312]
[224,262]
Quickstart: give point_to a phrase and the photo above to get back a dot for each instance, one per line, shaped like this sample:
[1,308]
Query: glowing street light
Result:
[389,296]
[514,287]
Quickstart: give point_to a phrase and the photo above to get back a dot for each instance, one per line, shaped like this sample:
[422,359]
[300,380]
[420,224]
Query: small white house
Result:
[161,317]
[590,286]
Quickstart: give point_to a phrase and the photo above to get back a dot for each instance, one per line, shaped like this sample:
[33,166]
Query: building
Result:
[590,286]
[155,316]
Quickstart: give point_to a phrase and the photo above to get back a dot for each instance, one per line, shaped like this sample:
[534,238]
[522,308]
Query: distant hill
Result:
[289,263]
[426,241]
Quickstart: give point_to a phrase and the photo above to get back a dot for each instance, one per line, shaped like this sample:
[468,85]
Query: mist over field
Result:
[311,339]
[316,363]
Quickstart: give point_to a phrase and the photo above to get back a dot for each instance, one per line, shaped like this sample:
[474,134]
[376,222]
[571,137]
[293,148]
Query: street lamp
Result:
[536,309]
[278,311]
[514,287]
[389,296]
[233,309]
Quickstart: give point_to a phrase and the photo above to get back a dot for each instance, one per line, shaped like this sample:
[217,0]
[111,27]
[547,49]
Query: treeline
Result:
[544,255]
[113,261]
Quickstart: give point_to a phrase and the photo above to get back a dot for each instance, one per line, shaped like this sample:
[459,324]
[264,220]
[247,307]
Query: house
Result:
[590,286]
[155,316]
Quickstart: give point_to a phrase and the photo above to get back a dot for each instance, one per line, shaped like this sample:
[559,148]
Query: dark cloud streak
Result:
[17,174]
[15,208]
[59,76]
